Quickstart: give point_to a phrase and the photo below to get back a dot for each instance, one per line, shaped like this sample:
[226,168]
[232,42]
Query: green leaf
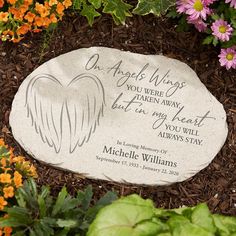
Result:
[4,152]
[215,41]
[157,7]
[85,197]
[42,207]
[226,224]
[108,198]
[59,202]
[77,4]
[63,232]
[190,229]
[215,17]
[66,223]
[11,222]
[208,39]
[96,3]
[201,216]
[118,9]
[90,13]
[123,217]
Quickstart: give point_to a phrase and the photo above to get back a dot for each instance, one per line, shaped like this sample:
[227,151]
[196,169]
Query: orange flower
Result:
[60,8]
[7,33]
[7,231]
[28,2]
[4,16]
[2,202]
[53,18]
[2,143]
[17,179]
[46,4]
[12,2]
[23,9]
[17,40]
[30,16]
[5,178]
[36,30]
[52,2]
[67,3]
[17,14]
[18,159]
[3,162]
[1,5]
[33,172]
[38,21]
[42,10]
[23,29]
[8,192]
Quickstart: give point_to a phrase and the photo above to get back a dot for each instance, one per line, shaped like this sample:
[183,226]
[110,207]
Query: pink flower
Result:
[199,24]
[181,6]
[197,9]
[232,3]
[222,30]
[228,58]
[209,2]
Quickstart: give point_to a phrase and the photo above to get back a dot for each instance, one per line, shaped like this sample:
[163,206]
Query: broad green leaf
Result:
[157,7]
[108,198]
[59,202]
[96,3]
[176,221]
[66,223]
[152,227]
[201,216]
[225,224]
[122,217]
[118,9]
[188,229]
[90,13]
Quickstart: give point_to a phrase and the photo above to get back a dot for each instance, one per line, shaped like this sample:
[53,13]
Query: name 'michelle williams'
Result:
[148,158]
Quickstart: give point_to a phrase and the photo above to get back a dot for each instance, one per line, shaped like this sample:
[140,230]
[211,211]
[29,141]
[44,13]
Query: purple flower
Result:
[197,9]
[199,24]
[232,3]
[222,30]
[228,58]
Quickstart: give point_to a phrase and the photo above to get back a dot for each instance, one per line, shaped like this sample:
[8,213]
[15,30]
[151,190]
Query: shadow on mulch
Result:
[215,185]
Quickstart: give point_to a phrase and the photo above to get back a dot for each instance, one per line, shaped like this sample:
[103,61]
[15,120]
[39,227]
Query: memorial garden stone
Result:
[121,116]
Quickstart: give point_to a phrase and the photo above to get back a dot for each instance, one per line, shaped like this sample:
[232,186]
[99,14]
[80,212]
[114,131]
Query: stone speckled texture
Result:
[108,114]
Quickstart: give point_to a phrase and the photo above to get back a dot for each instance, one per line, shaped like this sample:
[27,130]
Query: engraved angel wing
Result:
[45,103]
[84,106]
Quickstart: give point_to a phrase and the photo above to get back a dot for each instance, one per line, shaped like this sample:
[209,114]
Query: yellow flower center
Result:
[230,56]
[198,6]
[222,29]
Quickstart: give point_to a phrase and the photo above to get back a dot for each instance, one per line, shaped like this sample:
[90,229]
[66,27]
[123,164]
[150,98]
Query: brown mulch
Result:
[215,185]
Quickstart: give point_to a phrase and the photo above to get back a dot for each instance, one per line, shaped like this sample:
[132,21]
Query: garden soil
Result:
[215,185]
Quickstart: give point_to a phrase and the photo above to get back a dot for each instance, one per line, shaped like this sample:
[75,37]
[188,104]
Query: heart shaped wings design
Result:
[48,102]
